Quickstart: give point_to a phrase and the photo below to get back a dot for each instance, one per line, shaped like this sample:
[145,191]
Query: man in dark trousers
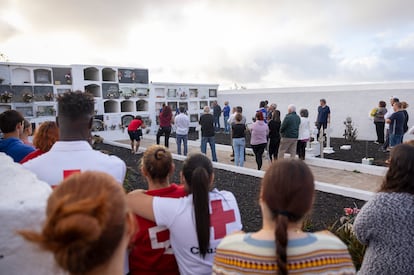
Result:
[207,133]
[289,130]
[324,117]
[216,114]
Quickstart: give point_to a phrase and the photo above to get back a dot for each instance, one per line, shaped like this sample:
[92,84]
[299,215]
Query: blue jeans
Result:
[395,139]
[217,123]
[238,145]
[184,139]
[212,142]
[226,125]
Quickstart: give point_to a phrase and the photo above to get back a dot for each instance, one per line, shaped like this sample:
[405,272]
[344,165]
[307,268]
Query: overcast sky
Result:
[254,43]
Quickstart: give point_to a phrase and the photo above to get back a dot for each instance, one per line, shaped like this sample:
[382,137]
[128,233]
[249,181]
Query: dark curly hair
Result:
[75,105]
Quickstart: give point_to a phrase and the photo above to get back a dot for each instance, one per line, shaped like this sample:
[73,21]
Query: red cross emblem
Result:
[219,218]
[67,173]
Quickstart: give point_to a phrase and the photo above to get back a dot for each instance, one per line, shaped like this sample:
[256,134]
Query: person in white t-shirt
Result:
[387,115]
[73,152]
[23,200]
[198,222]
[182,124]
[88,225]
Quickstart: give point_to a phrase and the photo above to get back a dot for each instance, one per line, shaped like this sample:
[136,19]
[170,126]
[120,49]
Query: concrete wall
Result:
[355,101]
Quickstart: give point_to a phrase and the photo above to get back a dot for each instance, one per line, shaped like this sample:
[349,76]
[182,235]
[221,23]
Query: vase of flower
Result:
[27,97]
[48,97]
[6,97]
[68,78]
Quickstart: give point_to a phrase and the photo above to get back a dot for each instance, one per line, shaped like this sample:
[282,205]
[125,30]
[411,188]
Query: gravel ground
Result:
[327,207]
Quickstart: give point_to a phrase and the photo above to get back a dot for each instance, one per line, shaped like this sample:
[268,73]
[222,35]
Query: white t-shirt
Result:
[23,200]
[387,116]
[178,216]
[66,157]
[304,128]
[182,123]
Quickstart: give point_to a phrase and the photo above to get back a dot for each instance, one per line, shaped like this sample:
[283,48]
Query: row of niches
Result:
[119,75]
[56,76]
[181,93]
[115,91]
[31,110]
[191,106]
[113,106]
[63,76]
[98,123]
[26,94]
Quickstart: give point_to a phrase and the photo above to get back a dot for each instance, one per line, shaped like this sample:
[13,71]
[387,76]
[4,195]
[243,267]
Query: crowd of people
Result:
[67,199]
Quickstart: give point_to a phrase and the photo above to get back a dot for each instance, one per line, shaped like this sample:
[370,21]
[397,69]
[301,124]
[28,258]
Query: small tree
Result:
[350,132]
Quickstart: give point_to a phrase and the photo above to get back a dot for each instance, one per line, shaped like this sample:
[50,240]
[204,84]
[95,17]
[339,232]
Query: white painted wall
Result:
[355,101]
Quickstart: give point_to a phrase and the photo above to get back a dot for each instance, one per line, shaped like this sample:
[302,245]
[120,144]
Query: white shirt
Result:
[23,200]
[182,124]
[66,157]
[304,128]
[387,115]
[178,216]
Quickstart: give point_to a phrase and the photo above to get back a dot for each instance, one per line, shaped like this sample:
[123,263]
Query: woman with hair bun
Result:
[88,226]
[281,246]
[151,251]
[386,222]
[197,222]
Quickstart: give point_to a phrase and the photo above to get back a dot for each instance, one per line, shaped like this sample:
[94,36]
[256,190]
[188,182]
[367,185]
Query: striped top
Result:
[317,253]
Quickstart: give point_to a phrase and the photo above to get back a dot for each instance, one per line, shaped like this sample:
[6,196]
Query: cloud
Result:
[258,43]
[7,30]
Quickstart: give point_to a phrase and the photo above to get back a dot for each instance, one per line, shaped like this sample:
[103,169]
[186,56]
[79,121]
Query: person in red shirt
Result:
[135,133]
[151,251]
[44,138]
[165,124]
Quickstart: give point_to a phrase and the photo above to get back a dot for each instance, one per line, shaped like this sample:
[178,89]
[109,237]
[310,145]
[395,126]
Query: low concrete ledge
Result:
[347,166]
[320,186]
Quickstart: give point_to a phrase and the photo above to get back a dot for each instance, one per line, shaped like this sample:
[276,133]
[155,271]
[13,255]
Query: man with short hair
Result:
[216,114]
[226,115]
[207,133]
[12,126]
[324,117]
[289,130]
[73,152]
[182,124]
[396,122]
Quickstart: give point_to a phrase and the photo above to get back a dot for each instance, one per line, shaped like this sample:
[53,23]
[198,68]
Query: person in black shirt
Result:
[274,134]
[207,133]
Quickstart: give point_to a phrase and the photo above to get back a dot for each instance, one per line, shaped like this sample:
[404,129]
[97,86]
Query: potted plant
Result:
[48,97]
[68,78]
[6,97]
[27,97]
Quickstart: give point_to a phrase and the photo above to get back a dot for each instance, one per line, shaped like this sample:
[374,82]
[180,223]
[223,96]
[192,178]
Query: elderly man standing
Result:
[207,133]
[289,131]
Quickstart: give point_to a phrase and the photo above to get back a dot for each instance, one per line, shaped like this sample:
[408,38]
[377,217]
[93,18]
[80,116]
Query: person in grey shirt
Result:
[386,222]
